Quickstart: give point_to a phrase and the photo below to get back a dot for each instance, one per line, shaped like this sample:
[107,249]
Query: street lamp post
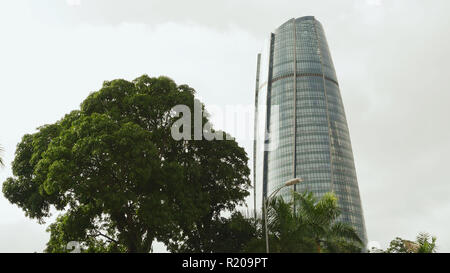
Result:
[267,200]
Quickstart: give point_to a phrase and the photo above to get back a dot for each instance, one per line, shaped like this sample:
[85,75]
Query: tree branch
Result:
[106,236]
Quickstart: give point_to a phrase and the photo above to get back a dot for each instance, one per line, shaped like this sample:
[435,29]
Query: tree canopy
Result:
[118,178]
[424,243]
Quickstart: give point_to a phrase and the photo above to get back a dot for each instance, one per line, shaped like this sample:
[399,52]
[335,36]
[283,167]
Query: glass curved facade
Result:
[297,76]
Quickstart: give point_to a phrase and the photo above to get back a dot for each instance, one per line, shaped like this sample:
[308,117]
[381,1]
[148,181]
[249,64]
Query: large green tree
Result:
[312,227]
[118,178]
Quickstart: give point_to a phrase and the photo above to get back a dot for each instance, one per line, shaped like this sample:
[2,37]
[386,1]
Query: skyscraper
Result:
[298,92]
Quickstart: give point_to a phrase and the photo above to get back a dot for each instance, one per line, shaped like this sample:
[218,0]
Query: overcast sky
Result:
[391,59]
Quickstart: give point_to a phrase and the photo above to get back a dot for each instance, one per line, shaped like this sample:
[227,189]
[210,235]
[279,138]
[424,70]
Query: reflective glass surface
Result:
[314,141]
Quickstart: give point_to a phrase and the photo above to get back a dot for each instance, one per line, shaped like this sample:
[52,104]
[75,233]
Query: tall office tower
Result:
[298,93]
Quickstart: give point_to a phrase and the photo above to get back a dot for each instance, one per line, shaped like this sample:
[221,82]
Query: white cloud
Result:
[73,2]
[374,2]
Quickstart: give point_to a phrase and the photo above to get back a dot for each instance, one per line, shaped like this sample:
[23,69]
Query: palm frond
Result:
[344,231]
[1,159]
[426,243]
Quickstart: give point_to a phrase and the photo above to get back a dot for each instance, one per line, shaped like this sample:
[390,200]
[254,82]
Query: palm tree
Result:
[288,231]
[1,159]
[426,243]
[313,227]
